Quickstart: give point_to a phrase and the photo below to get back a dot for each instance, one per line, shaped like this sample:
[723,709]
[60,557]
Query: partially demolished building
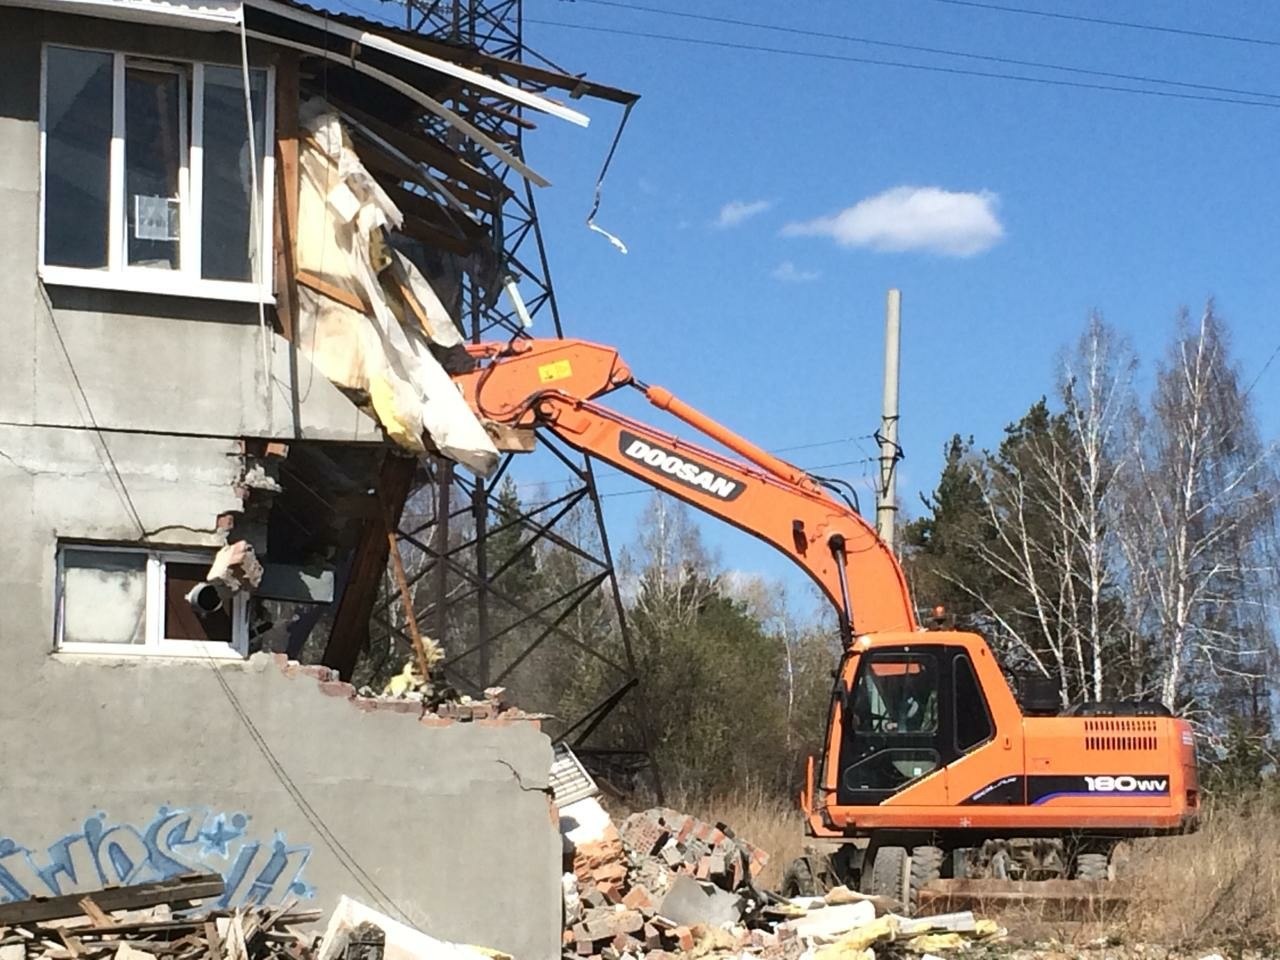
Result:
[235,237]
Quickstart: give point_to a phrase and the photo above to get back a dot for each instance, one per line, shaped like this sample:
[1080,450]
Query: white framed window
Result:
[125,601]
[146,178]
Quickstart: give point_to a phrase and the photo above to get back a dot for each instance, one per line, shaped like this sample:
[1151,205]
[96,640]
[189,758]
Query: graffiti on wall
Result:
[173,842]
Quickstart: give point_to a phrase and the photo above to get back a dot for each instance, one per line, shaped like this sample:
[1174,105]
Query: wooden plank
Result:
[350,632]
[428,150]
[330,290]
[186,887]
[287,186]
[433,212]
[577,85]
[433,236]
[97,916]
[1058,899]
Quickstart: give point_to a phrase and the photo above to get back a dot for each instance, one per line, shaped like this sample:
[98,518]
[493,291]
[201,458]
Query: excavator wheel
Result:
[926,866]
[889,875]
[801,880]
[1092,866]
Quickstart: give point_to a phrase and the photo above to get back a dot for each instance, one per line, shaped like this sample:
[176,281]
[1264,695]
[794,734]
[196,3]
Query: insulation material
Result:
[366,335]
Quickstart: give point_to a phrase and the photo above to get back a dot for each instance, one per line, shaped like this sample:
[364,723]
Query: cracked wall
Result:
[128,771]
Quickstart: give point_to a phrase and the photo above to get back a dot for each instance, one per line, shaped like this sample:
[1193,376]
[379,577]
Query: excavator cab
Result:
[910,711]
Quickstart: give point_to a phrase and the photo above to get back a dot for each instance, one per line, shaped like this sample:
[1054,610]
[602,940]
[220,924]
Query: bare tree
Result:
[1047,590]
[1198,525]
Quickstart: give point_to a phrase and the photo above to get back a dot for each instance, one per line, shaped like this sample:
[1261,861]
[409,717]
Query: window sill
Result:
[169,649]
[161,282]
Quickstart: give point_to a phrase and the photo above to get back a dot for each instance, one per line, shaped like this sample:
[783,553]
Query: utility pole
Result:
[886,501]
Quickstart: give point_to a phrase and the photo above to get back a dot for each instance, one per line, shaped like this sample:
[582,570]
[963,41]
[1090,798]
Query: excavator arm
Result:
[554,384]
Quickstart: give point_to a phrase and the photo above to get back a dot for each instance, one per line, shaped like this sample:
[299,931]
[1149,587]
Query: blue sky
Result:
[1077,199]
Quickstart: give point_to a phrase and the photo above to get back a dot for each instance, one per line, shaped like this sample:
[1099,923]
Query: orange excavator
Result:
[932,768]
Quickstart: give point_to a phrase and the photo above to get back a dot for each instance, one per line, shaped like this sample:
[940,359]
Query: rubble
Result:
[665,884]
[150,921]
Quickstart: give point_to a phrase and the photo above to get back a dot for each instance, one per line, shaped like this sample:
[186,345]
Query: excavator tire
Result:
[799,880]
[889,875]
[1092,866]
[926,866]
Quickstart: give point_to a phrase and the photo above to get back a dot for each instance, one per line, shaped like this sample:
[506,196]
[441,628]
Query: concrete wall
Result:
[126,771]
[120,419]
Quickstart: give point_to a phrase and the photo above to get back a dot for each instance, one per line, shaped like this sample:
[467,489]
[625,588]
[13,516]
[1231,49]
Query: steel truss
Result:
[447,529]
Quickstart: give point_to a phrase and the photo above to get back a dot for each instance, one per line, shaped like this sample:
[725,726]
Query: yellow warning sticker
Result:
[559,370]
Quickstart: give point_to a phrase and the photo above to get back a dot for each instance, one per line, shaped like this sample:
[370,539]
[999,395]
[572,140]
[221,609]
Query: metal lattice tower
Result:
[491,636]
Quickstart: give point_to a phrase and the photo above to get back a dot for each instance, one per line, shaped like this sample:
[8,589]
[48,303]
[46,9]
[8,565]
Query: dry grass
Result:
[1218,886]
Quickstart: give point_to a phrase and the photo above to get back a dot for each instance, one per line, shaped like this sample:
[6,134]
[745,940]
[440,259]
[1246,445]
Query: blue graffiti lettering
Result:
[175,841]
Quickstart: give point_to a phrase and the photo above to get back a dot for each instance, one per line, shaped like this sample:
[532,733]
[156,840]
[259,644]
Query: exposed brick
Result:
[684,939]
[432,720]
[395,706]
[318,672]
[639,898]
[626,943]
[337,688]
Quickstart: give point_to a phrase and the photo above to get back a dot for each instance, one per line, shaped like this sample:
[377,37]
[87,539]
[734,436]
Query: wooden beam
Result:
[190,886]
[332,291]
[286,216]
[350,632]
[433,236]
[433,212]
[429,151]
[577,86]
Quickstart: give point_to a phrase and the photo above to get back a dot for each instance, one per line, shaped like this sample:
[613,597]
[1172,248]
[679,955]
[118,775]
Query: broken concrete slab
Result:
[689,903]
[830,922]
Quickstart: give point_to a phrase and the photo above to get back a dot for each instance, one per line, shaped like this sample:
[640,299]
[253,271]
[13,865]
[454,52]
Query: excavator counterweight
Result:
[930,768]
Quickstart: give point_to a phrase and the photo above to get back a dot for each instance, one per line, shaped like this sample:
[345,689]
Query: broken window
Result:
[121,600]
[149,175]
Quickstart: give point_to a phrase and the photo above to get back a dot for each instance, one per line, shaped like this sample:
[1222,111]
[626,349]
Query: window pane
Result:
[155,144]
[231,225]
[77,156]
[180,621]
[104,597]
[973,724]
[896,694]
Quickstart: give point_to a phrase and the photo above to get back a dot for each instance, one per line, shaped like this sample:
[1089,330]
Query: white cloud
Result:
[736,212]
[912,218]
[788,272]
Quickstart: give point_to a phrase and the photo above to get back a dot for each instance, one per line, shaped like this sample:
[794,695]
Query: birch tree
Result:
[1044,581]
[1197,529]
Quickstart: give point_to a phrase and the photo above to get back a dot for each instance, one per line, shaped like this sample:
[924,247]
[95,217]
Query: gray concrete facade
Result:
[122,417]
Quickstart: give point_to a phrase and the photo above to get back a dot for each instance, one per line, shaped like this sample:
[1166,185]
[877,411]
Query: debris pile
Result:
[150,921]
[665,883]
[407,692]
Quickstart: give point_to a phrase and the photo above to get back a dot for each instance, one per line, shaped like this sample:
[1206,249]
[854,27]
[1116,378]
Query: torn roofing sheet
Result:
[203,15]
[374,41]
[463,126]
[366,317]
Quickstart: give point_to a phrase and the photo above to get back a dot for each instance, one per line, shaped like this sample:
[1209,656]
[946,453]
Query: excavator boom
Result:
[553,383]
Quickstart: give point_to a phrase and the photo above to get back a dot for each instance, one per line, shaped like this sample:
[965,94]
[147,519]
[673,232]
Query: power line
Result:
[1102,21]
[1254,382]
[850,38]
[929,68]
[821,466]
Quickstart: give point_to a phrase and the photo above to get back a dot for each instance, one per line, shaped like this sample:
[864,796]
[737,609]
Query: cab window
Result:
[973,718]
[896,694]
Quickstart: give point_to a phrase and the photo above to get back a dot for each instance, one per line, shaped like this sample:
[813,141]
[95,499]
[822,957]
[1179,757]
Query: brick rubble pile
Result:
[664,885]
